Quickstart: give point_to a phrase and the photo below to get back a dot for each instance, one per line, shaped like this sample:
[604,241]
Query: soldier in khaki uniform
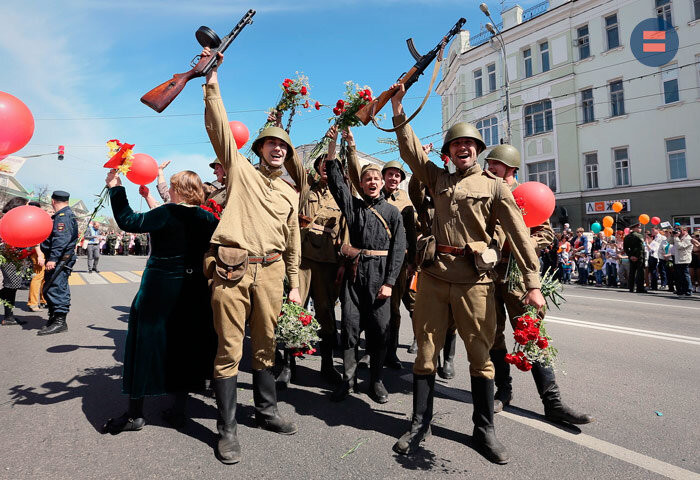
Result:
[393,174]
[468,204]
[322,231]
[255,244]
[218,195]
[504,161]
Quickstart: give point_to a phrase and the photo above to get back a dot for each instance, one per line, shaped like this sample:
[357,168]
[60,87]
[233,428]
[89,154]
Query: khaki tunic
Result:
[219,196]
[262,220]
[467,206]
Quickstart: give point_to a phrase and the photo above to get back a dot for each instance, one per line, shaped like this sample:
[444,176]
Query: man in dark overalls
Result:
[376,253]
[59,250]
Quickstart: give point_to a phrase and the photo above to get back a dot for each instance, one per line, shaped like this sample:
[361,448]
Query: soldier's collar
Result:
[476,168]
[370,202]
[268,171]
[387,194]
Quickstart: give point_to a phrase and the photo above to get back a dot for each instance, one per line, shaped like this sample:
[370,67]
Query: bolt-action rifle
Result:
[367,113]
[161,96]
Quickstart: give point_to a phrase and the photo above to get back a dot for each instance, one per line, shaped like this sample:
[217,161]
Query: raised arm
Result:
[339,189]
[397,250]
[354,168]
[125,217]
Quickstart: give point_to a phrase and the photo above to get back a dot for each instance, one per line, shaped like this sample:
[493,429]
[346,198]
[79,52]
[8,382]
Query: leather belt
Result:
[450,250]
[375,253]
[318,228]
[265,260]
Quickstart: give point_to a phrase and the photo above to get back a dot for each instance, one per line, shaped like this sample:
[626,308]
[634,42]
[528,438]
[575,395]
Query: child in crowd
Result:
[598,263]
[567,265]
[583,269]
[611,264]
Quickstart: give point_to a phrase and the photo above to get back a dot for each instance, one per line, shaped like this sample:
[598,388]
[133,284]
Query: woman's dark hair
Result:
[34,204]
[14,203]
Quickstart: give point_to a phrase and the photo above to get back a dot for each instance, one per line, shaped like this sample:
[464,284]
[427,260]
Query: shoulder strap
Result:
[381,219]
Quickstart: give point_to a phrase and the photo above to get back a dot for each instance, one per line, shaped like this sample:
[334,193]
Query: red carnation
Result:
[512,359]
[524,365]
[297,353]
[533,333]
[306,104]
[317,105]
[522,324]
[520,336]
[336,111]
[292,92]
[311,351]
[340,104]
[542,342]
[304,91]
[287,82]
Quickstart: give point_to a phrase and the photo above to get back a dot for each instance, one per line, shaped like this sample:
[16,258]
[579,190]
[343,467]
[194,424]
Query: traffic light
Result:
[61,151]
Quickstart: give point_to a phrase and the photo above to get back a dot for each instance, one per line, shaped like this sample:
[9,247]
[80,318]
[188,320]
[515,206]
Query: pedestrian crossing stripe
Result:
[104,278]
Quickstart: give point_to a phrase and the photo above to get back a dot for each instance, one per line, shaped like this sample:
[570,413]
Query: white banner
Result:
[605,206]
[10,165]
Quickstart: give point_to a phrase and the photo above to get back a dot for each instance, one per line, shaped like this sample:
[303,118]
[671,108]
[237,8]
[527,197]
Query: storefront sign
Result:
[605,206]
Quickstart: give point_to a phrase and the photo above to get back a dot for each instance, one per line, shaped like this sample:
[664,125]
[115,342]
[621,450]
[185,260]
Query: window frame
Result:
[491,77]
[628,167]
[695,7]
[587,104]
[614,101]
[675,152]
[530,119]
[593,171]
[665,70]
[609,28]
[482,126]
[544,56]
[527,62]
[478,83]
[664,12]
[550,174]
[583,42]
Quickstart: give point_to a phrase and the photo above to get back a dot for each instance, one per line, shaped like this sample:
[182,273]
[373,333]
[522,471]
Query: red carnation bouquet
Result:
[295,94]
[212,207]
[344,112]
[532,343]
[297,329]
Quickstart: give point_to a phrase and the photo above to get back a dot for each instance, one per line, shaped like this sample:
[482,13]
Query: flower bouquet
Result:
[295,94]
[344,112]
[532,343]
[212,207]
[297,329]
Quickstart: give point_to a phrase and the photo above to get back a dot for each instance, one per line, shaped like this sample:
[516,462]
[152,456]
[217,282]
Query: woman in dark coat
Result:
[170,342]
[13,272]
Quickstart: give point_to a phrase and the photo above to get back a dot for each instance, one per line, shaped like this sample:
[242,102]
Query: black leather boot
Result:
[288,373]
[131,421]
[413,349]
[349,383]
[228,450]
[392,361]
[554,409]
[265,396]
[377,391]
[423,392]
[328,371]
[504,387]
[447,369]
[59,325]
[49,322]
[484,433]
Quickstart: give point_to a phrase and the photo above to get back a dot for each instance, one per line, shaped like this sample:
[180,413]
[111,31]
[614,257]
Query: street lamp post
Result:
[493,29]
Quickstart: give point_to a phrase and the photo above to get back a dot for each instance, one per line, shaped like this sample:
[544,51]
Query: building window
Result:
[544,54]
[584,47]
[622,167]
[617,99]
[591,170]
[587,105]
[478,88]
[491,73]
[488,128]
[696,9]
[663,13]
[527,59]
[538,118]
[669,80]
[612,31]
[675,152]
[543,172]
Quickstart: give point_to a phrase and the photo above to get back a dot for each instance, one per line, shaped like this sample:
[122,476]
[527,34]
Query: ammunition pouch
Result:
[425,251]
[228,263]
[486,256]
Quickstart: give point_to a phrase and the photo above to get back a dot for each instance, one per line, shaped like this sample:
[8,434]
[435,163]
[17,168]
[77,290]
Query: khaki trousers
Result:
[508,306]
[317,279]
[470,306]
[35,286]
[257,298]
[400,292]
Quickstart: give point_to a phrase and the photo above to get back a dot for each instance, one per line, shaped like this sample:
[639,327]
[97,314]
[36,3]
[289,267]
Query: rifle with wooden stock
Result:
[160,97]
[367,113]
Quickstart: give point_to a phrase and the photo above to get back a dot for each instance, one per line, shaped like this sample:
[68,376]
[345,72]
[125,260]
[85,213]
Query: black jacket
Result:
[368,232]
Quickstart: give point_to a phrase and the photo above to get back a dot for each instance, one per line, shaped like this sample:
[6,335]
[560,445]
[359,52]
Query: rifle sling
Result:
[436,69]
[381,219]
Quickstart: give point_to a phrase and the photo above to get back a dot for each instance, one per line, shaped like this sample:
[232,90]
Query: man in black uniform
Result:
[634,248]
[59,250]
[376,253]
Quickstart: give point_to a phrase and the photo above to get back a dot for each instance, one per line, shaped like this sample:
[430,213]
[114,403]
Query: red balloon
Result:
[655,220]
[536,201]
[25,226]
[144,169]
[3,157]
[240,133]
[16,124]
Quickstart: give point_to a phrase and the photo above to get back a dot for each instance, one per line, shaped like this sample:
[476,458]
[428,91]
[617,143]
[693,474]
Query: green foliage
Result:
[296,327]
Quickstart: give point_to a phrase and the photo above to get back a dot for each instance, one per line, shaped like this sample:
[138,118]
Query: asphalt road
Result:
[630,360]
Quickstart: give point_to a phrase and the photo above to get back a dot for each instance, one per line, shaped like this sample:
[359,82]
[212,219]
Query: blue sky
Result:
[82,65]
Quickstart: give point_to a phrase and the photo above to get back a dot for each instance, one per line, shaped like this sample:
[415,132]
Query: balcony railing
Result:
[484,35]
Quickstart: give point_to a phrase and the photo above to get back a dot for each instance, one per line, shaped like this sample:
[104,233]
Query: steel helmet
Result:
[274,132]
[463,129]
[215,162]
[506,154]
[397,165]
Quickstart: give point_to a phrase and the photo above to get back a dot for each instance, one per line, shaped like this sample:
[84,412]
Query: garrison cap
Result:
[60,196]
[368,167]
[395,164]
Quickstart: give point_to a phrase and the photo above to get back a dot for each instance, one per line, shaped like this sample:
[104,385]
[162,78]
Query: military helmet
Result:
[274,132]
[214,163]
[460,130]
[397,165]
[317,162]
[506,154]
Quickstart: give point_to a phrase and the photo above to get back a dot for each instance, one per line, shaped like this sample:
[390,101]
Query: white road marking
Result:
[621,453]
[94,278]
[632,301]
[626,330]
[132,277]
